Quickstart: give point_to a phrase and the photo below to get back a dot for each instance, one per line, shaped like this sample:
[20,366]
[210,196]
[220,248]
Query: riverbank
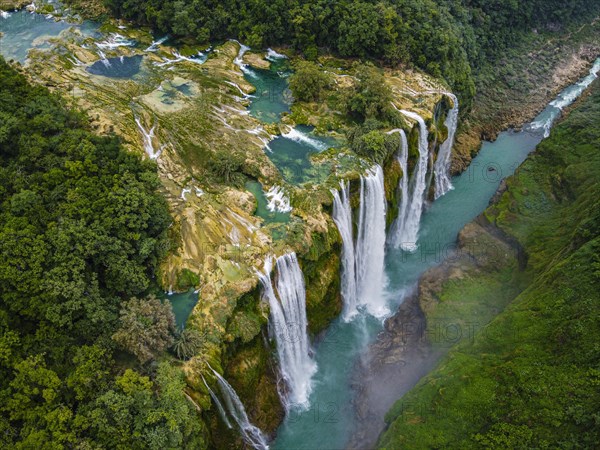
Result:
[426,327]
[508,384]
[515,89]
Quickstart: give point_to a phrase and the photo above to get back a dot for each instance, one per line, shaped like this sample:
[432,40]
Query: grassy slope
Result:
[531,379]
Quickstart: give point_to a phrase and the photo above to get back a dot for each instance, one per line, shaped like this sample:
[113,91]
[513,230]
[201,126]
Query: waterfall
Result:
[220,408]
[199,58]
[370,243]
[115,40]
[342,216]
[104,59]
[237,86]
[272,55]
[395,237]
[442,163]
[288,319]
[406,228]
[363,278]
[148,138]
[299,136]
[239,60]
[154,46]
[278,201]
[251,434]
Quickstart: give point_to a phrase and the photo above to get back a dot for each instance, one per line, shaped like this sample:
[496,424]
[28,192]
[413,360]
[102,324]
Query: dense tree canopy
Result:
[447,38]
[308,81]
[82,228]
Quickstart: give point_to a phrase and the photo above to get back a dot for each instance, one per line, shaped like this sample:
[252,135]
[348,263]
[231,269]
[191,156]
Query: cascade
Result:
[220,408]
[363,278]
[251,434]
[154,46]
[115,40]
[342,216]
[272,55]
[370,243]
[148,137]
[395,237]
[278,201]
[442,164]
[104,59]
[239,60]
[288,319]
[407,227]
[296,135]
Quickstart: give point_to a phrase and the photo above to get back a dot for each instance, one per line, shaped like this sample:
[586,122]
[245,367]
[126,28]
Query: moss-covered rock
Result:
[323,300]
[186,279]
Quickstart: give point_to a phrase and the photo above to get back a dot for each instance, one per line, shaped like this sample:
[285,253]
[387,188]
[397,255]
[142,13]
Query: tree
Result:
[375,145]
[228,167]
[91,372]
[140,414]
[187,343]
[146,327]
[370,97]
[308,82]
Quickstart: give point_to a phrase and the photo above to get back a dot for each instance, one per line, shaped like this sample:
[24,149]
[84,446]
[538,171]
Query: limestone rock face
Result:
[257,60]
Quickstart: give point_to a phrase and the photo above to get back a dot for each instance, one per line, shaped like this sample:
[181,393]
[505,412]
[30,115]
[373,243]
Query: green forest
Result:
[448,38]
[82,228]
[530,379]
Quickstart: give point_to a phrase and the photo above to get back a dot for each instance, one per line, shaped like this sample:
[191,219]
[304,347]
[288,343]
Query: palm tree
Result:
[187,343]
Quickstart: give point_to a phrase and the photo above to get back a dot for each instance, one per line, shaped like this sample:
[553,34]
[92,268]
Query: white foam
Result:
[148,140]
[237,86]
[273,55]
[115,40]
[298,136]
[199,58]
[239,60]
[154,46]
[278,201]
[184,192]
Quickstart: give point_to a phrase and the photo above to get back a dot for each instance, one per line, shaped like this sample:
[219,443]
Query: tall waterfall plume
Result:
[342,216]
[250,433]
[406,227]
[442,163]
[394,236]
[370,243]
[288,319]
[363,274]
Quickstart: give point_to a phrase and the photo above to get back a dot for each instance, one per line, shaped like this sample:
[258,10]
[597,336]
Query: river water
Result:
[22,31]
